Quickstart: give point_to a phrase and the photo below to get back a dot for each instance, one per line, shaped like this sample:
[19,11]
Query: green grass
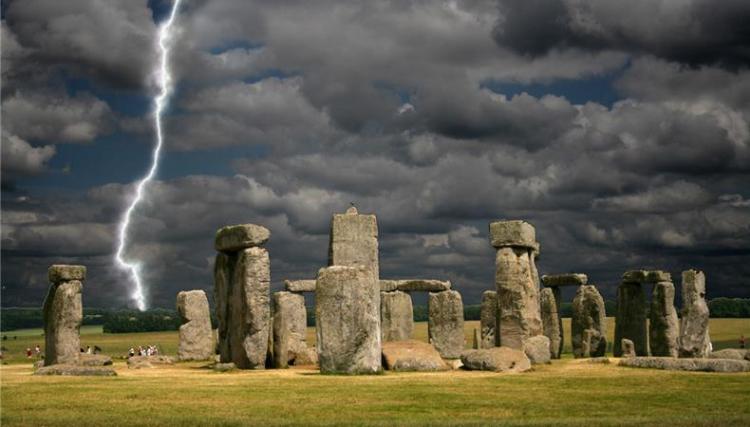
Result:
[567,392]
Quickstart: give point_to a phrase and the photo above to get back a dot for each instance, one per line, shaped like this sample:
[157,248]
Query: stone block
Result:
[513,233]
[234,238]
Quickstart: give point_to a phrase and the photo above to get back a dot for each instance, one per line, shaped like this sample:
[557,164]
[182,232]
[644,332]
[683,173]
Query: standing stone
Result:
[588,323]
[347,312]
[516,282]
[664,325]
[249,309]
[488,319]
[63,313]
[289,327]
[551,322]
[445,324]
[694,337]
[477,342]
[396,316]
[196,334]
[630,320]
[628,348]
[354,241]
[223,272]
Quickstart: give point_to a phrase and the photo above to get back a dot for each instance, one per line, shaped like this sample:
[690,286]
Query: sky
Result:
[618,129]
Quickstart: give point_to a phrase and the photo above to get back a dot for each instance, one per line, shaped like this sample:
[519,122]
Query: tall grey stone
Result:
[694,336]
[354,241]
[196,334]
[63,313]
[551,321]
[664,325]
[396,316]
[289,327]
[445,324]
[588,323]
[488,320]
[516,282]
[223,272]
[347,313]
[630,319]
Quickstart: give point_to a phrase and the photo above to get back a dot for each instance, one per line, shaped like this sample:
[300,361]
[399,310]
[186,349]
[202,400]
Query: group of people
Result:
[149,350]
[37,351]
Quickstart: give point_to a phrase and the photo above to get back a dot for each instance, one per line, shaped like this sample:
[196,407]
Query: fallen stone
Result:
[570,279]
[513,233]
[63,313]
[76,370]
[137,362]
[692,364]
[64,273]
[196,334]
[694,336]
[411,355]
[354,241]
[602,360]
[234,238]
[347,314]
[396,316]
[488,320]
[517,297]
[299,285]
[224,367]
[630,320]
[498,359]
[551,322]
[537,349]
[445,324]
[731,353]
[646,276]
[94,360]
[588,323]
[664,326]
[628,348]
[453,364]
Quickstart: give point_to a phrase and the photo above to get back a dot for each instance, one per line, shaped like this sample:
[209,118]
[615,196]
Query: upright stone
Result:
[354,241]
[289,327]
[694,336]
[445,324]
[396,316]
[628,348]
[63,313]
[516,281]
[488,319]
[589,323]
[347,313]
[630,320]
[196,334]
[223,272]
[551,322]
[249,309]
[664,326]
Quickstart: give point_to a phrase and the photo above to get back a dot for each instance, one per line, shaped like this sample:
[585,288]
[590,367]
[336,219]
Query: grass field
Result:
[567,392]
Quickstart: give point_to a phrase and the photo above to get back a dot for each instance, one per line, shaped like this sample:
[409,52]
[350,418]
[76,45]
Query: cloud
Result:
[20,158]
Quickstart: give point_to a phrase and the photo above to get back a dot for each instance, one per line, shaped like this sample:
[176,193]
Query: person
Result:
[88,349]
[131,352]
[38,351]
[742,341]
[28,352]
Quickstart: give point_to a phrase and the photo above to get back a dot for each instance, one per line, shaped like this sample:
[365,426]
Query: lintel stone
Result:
[299,285]
[513,233]
[234,238]
[569,279]
[59,273]
[646,276]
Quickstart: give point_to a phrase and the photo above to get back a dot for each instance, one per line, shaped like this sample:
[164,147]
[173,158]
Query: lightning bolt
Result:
[164,79]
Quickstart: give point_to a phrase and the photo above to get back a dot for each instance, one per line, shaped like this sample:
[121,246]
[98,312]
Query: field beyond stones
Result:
[567,392]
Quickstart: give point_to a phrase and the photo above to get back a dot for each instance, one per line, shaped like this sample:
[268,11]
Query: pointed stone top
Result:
[352,210]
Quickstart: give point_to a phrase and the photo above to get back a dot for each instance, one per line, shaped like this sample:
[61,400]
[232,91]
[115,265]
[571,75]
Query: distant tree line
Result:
[160,319]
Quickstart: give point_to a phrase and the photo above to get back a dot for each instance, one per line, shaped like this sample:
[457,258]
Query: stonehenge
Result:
[663,323]
[589,323]
[516,282]
[63,313]
[630,319]
[242,279]
[445,325]
[290,330]
[551,321]
[488,320]
[694,335]
[196,333]
[396,316]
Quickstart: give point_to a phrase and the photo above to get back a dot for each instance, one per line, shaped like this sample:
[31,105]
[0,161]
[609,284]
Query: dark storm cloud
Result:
[696,32]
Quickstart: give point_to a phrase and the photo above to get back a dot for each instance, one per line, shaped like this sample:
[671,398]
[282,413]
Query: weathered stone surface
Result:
[731,353]
[694,336]
[569,279]
[646,276]
[347,313]
[588,323]
[234,238]
[551,321]
[498,359]
[76,370]
[602,360]
[224,367]
[63,313]
[513,233]
[411,355]
[477,341]
[196,334]
[396,316]
[630,321]
[299,285]
[354,241]
[289,327]
[674,364]
[628,348]
[422,285]
[64,273]
[445,324]
[517,297]
[94,360]
[223,272]
[138,362]
[664,328]
[537,349]
[488,320]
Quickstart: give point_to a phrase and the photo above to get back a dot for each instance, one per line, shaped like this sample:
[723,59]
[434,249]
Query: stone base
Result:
[673,364]
[411,355]
[497,359]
